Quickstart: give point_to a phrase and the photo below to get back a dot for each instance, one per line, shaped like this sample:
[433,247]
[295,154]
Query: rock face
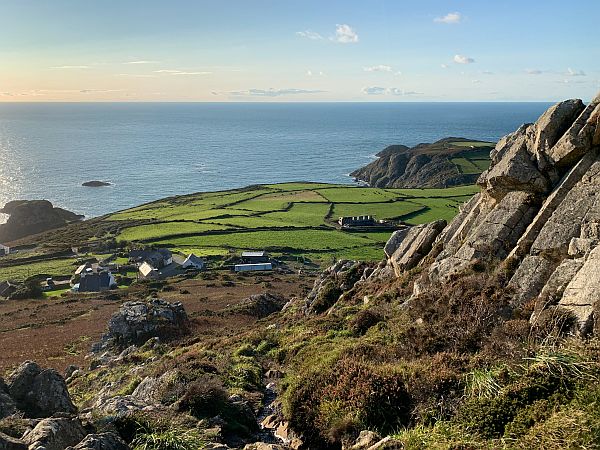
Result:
[260,305]
[39,392]
[29,217]
[136,322]
[9,443]
[537,218]
[416,243]
[427,165]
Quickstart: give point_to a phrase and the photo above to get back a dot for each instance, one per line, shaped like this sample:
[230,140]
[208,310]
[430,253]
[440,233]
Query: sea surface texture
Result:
[154,150]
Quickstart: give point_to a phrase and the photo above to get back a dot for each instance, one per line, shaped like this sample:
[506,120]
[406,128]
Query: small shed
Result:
[4,250]
[253,267]
[255,257]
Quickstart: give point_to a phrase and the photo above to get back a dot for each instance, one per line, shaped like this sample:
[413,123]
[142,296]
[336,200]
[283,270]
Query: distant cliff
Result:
[29,217]
[447,162]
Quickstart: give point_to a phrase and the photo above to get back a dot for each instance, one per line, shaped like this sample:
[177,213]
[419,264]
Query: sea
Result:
[149,151]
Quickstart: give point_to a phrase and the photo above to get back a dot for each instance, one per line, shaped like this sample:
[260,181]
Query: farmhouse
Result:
[255,257]
[157,258]
[253,267]
[193,262]
[4,250]
[357,221]
[92,277]
[148,272]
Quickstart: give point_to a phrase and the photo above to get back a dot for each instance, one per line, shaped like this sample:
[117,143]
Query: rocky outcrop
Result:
[10,443]
[415,244]
[260,305]
[137,322]
[537,218]
[55,434]
[427,165]
[7,405]
[95,183]
[39,392]
[102,441]
[27,217]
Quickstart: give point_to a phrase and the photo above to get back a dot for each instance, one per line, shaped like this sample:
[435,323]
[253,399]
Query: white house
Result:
[147,272]
[4,250]
[193,262]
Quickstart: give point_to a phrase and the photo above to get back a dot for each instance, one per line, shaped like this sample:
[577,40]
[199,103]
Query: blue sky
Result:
[267,50]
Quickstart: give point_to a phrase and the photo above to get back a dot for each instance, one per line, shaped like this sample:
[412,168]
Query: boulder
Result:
[395,240]
[417,243]
[260,305]
[514,172]
[55,434]
[582,294]
[39,392]
[553,123]
[578,139]
[7,404]
[10,443]
[365,440]
[103,441]
[138,321]
[530,278]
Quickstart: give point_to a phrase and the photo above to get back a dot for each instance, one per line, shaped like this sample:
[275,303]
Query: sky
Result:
[286,51]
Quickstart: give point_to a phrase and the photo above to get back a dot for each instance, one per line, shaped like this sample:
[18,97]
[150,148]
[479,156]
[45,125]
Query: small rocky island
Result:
[96,183]
[448,162]
[27,217]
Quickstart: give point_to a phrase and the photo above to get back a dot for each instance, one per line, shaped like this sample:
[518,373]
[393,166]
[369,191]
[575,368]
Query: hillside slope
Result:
[445,163]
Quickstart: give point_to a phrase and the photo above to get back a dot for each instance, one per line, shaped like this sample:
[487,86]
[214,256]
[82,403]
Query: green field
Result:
[291,218]
[54,267]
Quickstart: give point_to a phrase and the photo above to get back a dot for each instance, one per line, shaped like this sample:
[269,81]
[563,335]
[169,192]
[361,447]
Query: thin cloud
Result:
[533,71]
[274,92]
[310,73]
[575,73]
[309,34]
[70,67]
[143,61]
[345,34]
[487,72]
[462,59]
[378,90]
[135,75]
[180,72]
[444,66]
[94,91]
[450,18]
[378,68]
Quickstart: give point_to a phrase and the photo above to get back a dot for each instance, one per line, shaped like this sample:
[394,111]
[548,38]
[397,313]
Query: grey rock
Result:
[55,434]
[365,440]
[514,172]
[136,322]
[7,404]
[102,441]
[530,278]
[578,139]
[10,443]
[581,246]
[553,123]
[555,286]
[39,392]
[582,294]
[417,243]
[394,241]
[119,406]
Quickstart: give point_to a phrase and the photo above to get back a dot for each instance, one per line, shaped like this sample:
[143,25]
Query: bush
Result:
[205,397]
[350,395]
[364,320]
[328,295]
[167,439]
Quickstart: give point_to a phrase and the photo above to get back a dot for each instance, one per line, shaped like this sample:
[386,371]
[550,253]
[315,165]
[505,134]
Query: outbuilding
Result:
[4,250]
[255,257]
[253,267]
[193,262]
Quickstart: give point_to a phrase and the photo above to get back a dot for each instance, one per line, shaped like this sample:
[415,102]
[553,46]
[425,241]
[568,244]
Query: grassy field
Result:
[54,267]
[292,218]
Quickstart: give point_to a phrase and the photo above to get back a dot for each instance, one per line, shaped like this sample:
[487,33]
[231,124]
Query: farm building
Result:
[148,272]
[255,257]
[4,250]
[193,262]
[157,258]
[357,221]
[253,267]
[92,277]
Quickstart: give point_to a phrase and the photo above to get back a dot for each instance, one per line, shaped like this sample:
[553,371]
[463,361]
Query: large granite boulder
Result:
[417,243]
[39,392]
[102,441]
[55,434]
[136,322]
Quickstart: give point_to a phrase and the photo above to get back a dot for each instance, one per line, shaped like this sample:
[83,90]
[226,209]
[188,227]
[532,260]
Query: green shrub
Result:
[167,439]
[329,294]
[205,397]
